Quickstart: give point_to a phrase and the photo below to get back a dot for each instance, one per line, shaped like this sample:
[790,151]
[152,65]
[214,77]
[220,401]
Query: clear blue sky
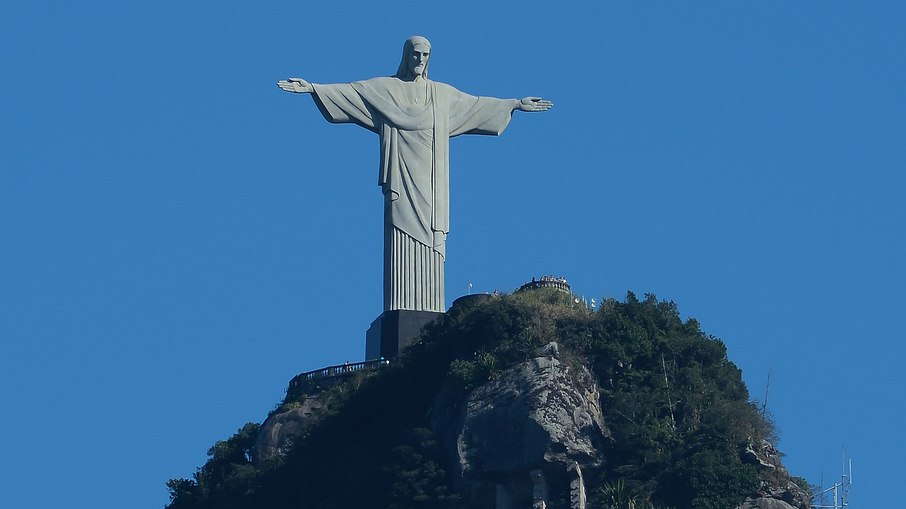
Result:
[179,238]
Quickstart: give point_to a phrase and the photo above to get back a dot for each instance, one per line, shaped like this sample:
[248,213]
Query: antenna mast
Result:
[839,489]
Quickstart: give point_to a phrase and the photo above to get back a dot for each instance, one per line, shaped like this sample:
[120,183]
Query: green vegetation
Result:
[677,409]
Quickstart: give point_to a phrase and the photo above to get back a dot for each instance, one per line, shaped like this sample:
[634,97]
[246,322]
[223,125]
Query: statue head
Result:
[414,63]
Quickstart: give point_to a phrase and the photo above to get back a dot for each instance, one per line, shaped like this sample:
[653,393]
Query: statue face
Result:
[418,60]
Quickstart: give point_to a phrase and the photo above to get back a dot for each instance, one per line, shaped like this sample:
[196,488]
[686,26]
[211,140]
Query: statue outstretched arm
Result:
[534,104]
[296,86]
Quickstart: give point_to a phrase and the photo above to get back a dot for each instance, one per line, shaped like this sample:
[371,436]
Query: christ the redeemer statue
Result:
[415,119]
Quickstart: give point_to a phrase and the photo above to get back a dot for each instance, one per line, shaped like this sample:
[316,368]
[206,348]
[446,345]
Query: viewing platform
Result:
[556,282]
[331,375]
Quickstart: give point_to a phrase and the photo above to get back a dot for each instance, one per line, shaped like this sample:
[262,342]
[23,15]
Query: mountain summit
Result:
[528,400]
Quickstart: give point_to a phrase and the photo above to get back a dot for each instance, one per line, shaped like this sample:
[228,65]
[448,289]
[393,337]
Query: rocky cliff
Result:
[531,429]
[526,401]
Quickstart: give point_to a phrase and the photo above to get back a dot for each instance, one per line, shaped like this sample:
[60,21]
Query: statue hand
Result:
[296,86]
[535,104]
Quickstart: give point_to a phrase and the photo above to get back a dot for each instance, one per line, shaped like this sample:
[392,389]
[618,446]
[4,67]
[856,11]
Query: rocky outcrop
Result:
[279,429]
[526,435]
[780,494]
[765,503]
[790,497]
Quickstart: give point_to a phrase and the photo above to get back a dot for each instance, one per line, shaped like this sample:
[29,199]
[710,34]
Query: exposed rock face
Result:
[526,435]
[279,429]
[789,496]
[766,503]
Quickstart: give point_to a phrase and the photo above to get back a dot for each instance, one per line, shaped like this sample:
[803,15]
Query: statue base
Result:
[394,330]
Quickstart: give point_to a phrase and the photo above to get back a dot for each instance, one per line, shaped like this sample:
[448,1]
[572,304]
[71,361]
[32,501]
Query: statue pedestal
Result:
[394,330]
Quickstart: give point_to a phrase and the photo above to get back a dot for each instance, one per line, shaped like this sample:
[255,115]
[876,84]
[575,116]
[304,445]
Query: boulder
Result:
[765,503]
[279,429]
[535,423]
[786,496]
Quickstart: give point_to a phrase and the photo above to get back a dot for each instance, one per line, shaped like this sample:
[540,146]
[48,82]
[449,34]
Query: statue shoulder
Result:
[444,87]
[449,92]
[379,83]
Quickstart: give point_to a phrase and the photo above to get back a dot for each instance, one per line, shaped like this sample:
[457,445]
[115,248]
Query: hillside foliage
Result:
[677,409]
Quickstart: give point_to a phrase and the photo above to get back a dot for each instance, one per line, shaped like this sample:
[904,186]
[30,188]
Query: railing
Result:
[547,282]
[333,372]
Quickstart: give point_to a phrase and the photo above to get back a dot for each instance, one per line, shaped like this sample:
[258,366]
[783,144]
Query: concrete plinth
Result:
[393,331]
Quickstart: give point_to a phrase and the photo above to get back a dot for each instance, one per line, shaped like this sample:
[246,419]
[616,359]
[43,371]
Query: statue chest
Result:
[415,98]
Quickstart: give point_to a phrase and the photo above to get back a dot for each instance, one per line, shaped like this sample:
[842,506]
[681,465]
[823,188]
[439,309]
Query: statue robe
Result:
[415,121]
